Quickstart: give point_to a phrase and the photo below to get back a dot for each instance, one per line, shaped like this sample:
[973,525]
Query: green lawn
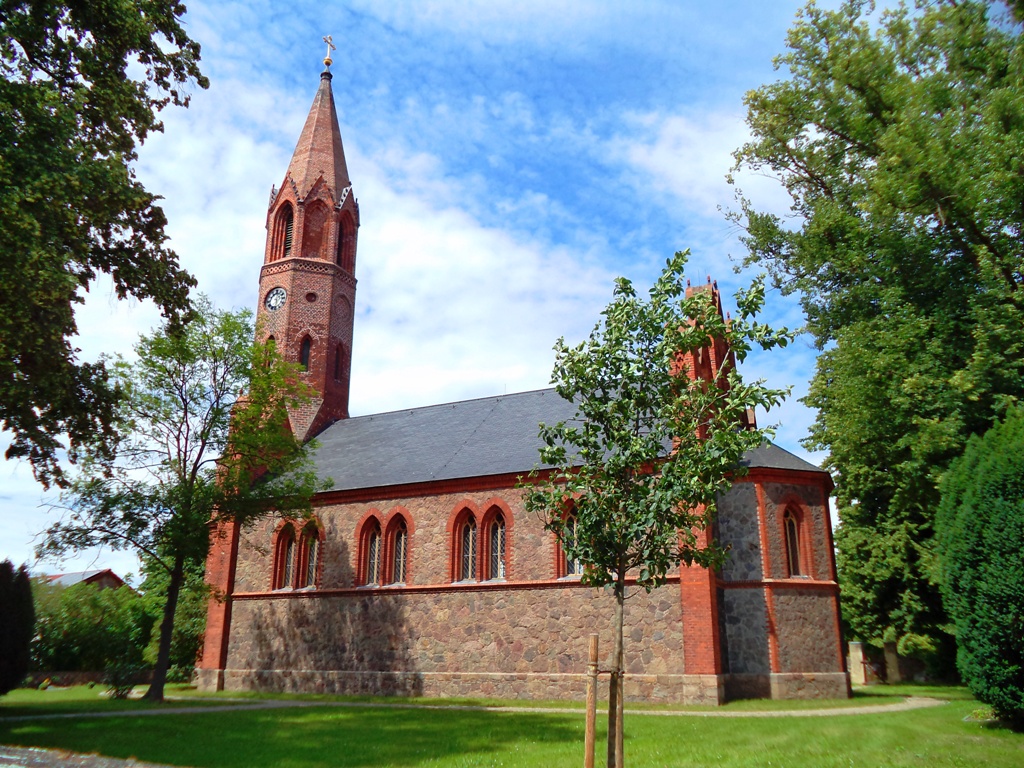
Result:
[362,736]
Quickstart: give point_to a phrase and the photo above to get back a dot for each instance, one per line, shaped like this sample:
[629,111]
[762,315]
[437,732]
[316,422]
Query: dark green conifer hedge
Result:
[17,624]
[980,527]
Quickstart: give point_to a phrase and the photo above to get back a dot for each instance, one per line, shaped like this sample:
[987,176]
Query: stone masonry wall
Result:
[806,625]
[487,641]
[746,625]
[738,531]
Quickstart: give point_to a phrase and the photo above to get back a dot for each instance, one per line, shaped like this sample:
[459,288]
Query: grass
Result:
[55,700]
[355,736]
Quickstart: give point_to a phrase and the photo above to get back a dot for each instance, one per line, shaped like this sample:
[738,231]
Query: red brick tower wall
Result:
[312,225]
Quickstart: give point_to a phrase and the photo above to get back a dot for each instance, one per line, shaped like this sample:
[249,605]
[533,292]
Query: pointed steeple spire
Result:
[319,151]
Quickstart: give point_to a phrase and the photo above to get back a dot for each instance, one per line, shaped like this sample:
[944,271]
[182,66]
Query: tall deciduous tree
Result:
[652,443]
[899,138]
[202,432]
[81,83]
[17,625]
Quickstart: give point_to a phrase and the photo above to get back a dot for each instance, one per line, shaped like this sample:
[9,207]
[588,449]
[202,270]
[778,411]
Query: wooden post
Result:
[589,739]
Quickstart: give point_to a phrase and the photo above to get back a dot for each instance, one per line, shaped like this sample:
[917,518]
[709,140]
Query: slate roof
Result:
[470,438]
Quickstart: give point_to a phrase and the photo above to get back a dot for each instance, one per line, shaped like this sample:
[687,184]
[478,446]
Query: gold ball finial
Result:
[330,47]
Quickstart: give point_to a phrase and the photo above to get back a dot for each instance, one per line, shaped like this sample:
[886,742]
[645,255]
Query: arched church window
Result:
[496,548]
[372,553]
[399,551]
[464,548]
[309,556]
[570,566]
[284,558]
[304,350]
[283,230]
[270,348]
[791,528]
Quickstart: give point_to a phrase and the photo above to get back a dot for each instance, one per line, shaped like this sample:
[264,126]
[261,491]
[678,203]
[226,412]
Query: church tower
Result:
[307,283]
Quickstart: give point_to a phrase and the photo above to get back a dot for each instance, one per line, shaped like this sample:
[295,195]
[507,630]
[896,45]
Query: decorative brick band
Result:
[462,586]
[316,267]
[826,586]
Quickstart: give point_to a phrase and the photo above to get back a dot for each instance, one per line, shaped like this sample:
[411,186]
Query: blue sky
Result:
[510,159]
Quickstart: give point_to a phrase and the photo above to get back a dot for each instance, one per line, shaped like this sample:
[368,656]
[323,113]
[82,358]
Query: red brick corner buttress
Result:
[702,653]
[220,575]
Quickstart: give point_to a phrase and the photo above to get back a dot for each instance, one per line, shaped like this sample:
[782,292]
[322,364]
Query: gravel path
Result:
[50,758]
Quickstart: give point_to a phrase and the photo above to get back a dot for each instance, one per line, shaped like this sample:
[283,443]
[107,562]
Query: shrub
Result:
[980,533]
[84,628]
[121,678]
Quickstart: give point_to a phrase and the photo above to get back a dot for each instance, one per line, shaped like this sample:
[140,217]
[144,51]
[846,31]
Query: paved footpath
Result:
[51,758]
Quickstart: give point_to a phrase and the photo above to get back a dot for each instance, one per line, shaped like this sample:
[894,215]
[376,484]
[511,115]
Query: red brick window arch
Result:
[284,227]
[397,550]
[284,558]
[304,351]
[371,553]
[464,547]
[494,545]
[309,556]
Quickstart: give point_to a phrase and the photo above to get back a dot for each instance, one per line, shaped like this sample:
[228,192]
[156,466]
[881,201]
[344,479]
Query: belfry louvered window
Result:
[289,227]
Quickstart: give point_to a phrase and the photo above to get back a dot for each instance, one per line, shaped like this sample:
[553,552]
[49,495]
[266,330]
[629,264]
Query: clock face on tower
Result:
[275,299]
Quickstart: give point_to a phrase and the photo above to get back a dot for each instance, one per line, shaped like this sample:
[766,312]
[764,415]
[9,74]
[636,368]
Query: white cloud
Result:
[689,157]
[448,308]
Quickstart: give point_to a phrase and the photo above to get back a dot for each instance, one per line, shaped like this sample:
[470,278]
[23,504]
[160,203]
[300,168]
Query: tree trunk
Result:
[615,743]
[163,657]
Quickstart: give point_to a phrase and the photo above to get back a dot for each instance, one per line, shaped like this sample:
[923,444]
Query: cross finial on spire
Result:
[329,39]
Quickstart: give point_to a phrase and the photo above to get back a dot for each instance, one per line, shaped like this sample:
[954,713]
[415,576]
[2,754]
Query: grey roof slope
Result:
[470,438]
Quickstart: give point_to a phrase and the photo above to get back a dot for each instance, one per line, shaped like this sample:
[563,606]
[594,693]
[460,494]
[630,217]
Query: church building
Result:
[420,572]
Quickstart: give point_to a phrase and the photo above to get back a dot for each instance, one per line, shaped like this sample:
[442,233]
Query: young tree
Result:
[81,83]
[17,625]
[898,137]
[189,618]
[652,443]
[980,530]
[202,432]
